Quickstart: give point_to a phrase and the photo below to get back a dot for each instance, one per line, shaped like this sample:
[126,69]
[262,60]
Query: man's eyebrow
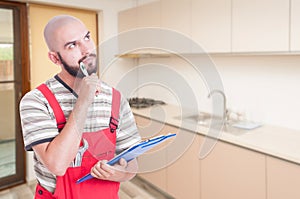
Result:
[72,42]
[88,33]
[68,43]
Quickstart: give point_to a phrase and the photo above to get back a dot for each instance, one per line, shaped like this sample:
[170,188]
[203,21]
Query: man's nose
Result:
[85,48]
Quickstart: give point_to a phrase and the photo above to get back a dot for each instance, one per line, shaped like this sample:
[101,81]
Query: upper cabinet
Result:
[211,25]
[176,18]
[222,26]
[145,16]
[175,15]
[149,15]
[127,20]
[295,25]
[260,26]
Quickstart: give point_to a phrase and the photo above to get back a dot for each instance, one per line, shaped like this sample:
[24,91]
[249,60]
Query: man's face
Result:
[74,46]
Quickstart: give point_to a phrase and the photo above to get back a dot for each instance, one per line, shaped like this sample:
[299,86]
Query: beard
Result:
[75,70]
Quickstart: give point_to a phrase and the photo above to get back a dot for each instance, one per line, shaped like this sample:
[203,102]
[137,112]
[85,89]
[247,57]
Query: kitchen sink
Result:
[200,118]
[212,122]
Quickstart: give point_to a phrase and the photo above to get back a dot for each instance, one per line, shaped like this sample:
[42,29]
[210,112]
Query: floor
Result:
[134,189]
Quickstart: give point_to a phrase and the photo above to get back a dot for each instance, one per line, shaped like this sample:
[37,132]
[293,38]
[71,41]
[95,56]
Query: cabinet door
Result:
[183,176]
[283,179]
[259,26]
[295,25]
[233,172]
[158,176]
[211,24]
[176,16]
[144,16]
[127,20]
[149,15]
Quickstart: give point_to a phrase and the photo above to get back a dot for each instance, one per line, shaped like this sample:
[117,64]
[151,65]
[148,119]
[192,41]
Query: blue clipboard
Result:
[133,152]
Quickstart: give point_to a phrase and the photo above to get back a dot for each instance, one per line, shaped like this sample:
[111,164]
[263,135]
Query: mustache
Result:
[89,55]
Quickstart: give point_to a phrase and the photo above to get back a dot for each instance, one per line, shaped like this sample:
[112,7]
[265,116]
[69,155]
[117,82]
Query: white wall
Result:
[264,88]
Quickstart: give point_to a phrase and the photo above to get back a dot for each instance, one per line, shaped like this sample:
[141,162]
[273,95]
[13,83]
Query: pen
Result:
[83,69]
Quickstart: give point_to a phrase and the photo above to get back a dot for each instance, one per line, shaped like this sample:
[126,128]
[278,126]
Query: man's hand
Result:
[122,171]
[89,87]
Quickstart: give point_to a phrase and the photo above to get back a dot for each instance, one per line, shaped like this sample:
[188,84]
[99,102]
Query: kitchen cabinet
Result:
[211,25]
[260,26]
[223,26]
[295,25]
[183,176]
[228,171]
[233,172]
[159,176]
[127,20]
[176,17]
[148,15]
[283,179]
[144,16]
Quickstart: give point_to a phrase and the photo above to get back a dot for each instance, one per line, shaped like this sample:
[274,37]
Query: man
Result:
[97,122]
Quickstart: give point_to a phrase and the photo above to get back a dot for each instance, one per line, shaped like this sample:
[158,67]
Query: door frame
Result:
[22,86]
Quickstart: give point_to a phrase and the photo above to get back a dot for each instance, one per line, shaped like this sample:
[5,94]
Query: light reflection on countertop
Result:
[276,141]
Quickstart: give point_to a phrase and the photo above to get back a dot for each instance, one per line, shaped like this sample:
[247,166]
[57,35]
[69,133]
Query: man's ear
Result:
[54,57]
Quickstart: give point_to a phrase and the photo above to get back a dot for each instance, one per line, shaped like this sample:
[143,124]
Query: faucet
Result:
[225,115]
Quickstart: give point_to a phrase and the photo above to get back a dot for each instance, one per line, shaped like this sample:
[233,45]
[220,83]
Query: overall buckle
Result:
[113,124]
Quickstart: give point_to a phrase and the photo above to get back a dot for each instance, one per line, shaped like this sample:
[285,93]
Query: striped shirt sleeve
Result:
[38,124]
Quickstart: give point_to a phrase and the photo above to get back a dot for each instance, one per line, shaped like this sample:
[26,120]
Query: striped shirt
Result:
[39,124]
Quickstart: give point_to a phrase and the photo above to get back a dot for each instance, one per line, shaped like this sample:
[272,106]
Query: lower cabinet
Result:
[183,175]
[283,179]
[227,172]
[180,176]
[150,168]
[233,172]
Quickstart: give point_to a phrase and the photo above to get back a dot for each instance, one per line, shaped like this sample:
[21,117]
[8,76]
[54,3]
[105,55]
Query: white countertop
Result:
[271,140]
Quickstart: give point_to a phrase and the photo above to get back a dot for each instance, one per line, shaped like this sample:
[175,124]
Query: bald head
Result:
[53,29]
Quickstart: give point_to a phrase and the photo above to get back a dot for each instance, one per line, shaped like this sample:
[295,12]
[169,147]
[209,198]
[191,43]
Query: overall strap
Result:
[58,113]
[115,108]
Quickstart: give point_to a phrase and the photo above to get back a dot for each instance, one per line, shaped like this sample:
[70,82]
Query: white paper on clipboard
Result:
[133,152]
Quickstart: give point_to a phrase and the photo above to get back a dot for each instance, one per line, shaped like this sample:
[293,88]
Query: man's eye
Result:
[72,46]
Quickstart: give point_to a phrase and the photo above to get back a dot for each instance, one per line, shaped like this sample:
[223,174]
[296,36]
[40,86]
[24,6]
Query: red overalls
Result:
[101,145]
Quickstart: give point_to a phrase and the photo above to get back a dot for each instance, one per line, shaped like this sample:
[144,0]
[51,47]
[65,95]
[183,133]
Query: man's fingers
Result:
[123,163]
[102,170]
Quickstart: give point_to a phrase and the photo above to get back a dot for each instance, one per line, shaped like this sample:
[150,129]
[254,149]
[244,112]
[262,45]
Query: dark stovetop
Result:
[143,102]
